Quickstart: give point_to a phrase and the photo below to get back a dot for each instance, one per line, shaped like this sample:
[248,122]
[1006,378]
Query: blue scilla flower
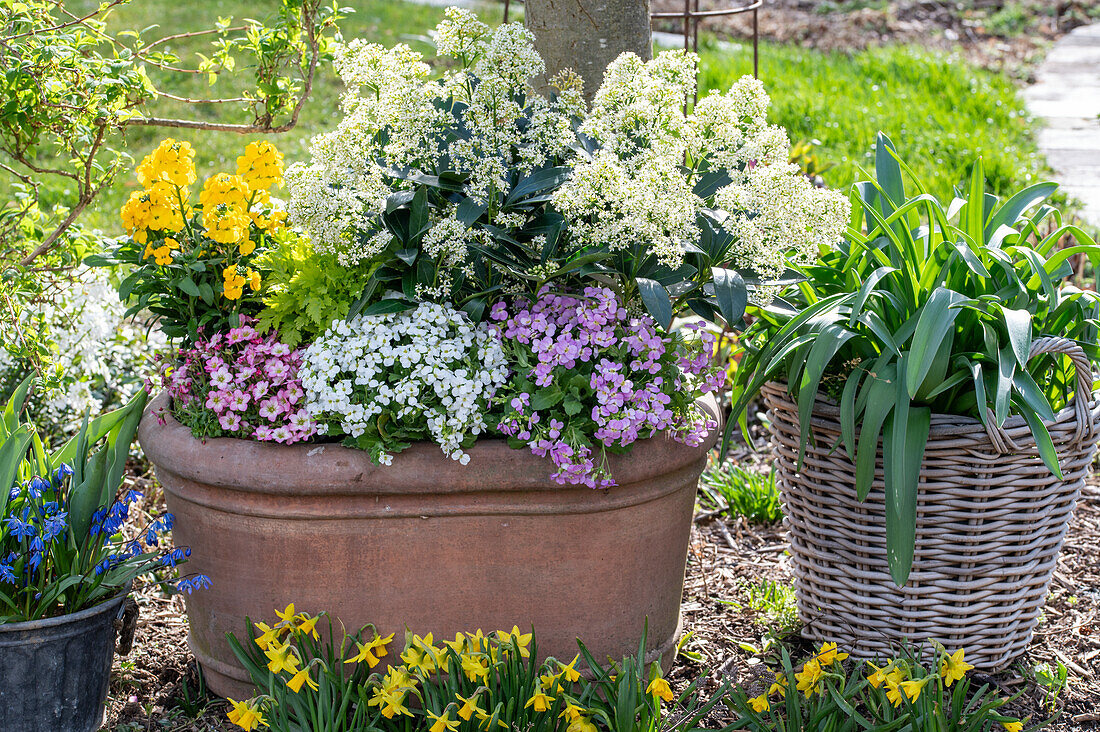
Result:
[197,582]
[55,525]
[6,574]
[61,473]
[37,544]
[133,549]
[14,492]
[34,561]
[37,486]
[174,557]
[132,496]
[21,527]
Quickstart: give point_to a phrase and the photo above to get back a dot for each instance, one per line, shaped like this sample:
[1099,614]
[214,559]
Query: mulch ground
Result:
[157,686]
[1000,35]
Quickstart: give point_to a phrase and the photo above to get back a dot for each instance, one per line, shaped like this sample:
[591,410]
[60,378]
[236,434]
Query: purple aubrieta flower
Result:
[632,371]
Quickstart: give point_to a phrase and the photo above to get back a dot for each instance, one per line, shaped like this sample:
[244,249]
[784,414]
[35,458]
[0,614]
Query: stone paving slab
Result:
[1067,97]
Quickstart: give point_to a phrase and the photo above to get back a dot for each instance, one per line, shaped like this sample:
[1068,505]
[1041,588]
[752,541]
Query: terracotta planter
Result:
[427,543]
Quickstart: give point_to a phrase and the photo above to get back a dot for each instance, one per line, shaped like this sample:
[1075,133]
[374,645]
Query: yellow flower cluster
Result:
[156,208]
[172,162]
[231,205]
[261,165]
[896,679]
[162,255]
[233,282]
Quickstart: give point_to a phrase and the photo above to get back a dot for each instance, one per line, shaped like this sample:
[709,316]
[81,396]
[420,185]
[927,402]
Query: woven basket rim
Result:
[944,424]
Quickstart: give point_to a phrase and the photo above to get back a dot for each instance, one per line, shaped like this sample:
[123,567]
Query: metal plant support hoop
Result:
[692,16]
[990,523]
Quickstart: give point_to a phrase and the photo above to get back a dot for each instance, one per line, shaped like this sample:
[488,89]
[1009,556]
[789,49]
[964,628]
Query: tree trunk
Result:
[587,35]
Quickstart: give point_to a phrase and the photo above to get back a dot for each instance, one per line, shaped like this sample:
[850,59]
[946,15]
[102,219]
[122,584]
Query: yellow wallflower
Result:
[225,224]
[760,703]
[953,668]
[442,723]
[261,165]
[172,162]
[660,688]
[269,219]
[828,654]
[233,288]
[246,715]
[540,701]
[302,677]
[223,189]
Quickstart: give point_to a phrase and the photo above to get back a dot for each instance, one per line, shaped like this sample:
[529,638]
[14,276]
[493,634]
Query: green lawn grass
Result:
[941,113]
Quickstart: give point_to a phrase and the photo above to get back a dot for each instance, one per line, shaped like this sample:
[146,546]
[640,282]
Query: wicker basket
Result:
[990,523]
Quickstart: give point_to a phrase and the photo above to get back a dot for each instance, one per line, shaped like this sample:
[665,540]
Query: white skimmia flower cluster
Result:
[388,380]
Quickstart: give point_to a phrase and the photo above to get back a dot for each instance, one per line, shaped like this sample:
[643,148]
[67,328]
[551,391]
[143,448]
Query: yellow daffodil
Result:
[809,677]
[540,701]
[878,677]
[246,715]
[953,668]
[365,655]
[286,616]
[779,686]
[760,703]
[582,724]
[893,683]
[307,626]
[520,640]
[571,712]
[914,687]
[660,688]
[475,667]
[469,706]
[378,644]
[1016,726]
[267,635]
[569,671]
[476,641]
[302,677]
[485,720]
[397,678]
[282,658]
[550,682]
[390,701]
[442,723]
[458,645]
[829,655]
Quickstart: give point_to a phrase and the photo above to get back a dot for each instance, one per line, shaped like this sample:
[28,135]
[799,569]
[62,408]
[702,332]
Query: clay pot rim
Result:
[324,468]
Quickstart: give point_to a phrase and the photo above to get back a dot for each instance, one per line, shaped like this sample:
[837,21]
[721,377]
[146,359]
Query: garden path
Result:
[1067,97]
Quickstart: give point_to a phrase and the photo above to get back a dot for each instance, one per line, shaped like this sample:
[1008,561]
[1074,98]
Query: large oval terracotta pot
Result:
[426,542]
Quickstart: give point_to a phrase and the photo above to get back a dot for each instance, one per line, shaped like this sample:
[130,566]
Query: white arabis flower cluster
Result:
[385,380]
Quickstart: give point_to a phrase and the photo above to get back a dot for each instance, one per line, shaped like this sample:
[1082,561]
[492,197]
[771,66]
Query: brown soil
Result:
[157,686]
[1003,35]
